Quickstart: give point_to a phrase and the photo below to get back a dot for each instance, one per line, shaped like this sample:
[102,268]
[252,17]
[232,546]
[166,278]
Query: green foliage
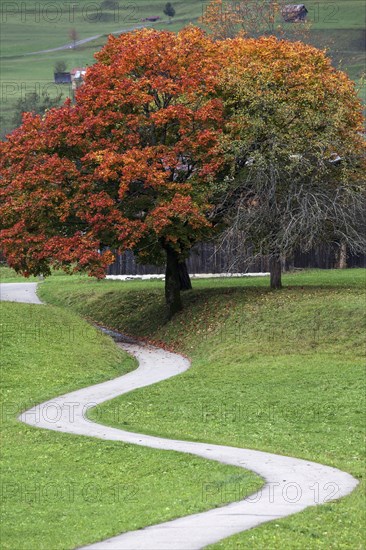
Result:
[169,10]
[60,66]
[34,103]
[8,275]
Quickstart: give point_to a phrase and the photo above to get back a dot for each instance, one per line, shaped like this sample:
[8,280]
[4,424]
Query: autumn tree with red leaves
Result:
[172,134]
[129,166]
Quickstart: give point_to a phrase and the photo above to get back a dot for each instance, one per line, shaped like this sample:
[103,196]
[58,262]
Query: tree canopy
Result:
[170,134]
[169,10]
[295,135]
[130,165]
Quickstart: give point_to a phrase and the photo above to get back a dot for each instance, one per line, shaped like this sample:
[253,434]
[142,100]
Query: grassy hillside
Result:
[276,371]
[47,26]
[30,27]
[8,275]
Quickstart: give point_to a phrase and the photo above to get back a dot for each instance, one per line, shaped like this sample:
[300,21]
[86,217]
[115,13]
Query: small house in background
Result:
[62,78]
[77,72]
[294,13]
[77,77]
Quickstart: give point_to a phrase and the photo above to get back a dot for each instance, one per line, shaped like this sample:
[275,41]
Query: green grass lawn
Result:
[276,371]
[61,491]
[8,275]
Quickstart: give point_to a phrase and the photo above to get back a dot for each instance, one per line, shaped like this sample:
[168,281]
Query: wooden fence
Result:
[211,258]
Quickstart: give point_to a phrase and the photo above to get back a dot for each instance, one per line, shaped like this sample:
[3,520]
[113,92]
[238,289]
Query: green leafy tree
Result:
[169,11]
[60,66]
[34,103]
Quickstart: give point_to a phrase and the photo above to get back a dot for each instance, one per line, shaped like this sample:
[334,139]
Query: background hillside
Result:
[28,28]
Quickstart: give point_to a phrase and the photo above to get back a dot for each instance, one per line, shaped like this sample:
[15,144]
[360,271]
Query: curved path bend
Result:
[291,484]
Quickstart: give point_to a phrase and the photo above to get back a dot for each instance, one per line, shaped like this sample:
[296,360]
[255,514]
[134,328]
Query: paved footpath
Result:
[19,292]
[291,484]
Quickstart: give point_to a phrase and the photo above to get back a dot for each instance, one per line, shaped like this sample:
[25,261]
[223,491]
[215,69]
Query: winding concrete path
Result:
[291,484]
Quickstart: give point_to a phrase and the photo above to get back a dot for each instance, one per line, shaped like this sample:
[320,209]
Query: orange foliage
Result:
[134,162]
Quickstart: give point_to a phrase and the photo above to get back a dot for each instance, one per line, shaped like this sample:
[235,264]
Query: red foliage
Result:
[130,165]
[133,163]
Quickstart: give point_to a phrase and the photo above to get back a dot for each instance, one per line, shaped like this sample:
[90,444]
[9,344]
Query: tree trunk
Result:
[342,262]
[172,283]
[275,271]
[184,279]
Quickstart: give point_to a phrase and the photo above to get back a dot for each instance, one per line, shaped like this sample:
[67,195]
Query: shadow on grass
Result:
[137,308]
